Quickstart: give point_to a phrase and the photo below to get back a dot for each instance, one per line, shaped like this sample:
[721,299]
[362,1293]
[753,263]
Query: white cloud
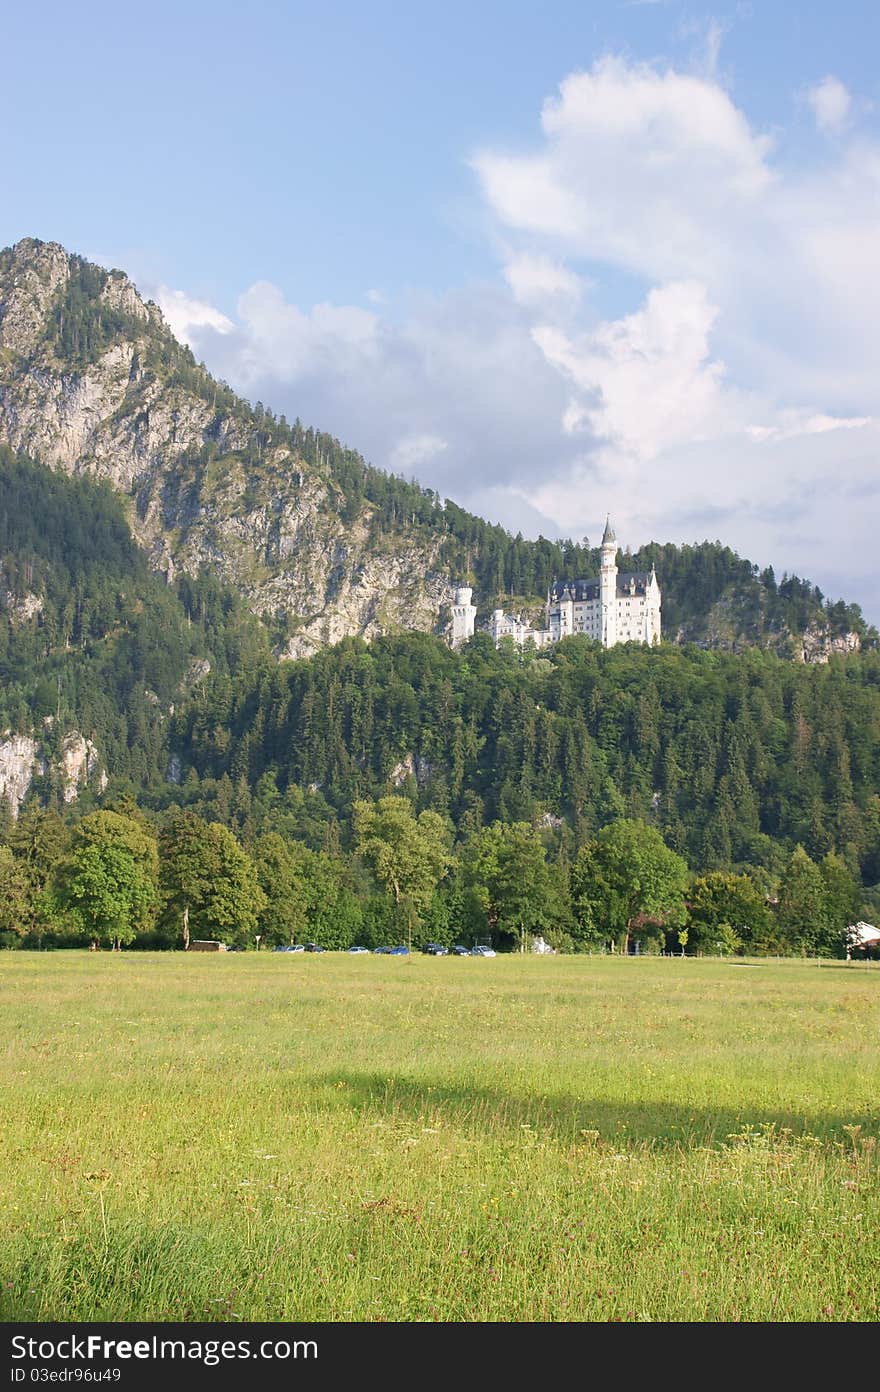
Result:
[415,450]
[645,382]
[831,103]
[186,316]
[331,337]
[635,164]
[535,280]
[794,423]
[457,392]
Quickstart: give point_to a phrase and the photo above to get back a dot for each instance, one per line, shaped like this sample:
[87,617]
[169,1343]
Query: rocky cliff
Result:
[25,757]
[93,381]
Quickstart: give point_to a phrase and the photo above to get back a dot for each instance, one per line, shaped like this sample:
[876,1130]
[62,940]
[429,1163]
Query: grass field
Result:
[289,1137]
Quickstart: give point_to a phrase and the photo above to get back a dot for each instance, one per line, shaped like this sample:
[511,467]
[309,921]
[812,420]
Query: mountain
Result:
[92,381]
[319,544]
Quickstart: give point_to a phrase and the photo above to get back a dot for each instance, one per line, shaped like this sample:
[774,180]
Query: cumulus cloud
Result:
[729,386]
[537,280]
[456,391]
[644,382]
[831,103]
[186,316]
[635,165]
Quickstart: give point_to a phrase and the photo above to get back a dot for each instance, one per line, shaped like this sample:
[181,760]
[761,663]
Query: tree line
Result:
[118,877]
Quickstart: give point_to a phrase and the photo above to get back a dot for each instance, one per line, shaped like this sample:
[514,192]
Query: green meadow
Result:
[293,1137]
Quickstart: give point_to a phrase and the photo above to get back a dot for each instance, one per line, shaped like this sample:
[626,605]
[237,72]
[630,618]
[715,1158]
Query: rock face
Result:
[78,765]
[819,644]
[411,766]
[21,608]
[92,381]
[19,762]
[22,758]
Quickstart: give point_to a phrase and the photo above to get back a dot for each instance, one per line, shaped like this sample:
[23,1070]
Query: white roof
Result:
[860,934]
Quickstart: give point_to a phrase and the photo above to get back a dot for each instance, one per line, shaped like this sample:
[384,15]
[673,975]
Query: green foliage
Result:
[721,898]
[208,883]
[407,855]
[511,891]
[83,323]
[842,900]
[816,904]
[15,905]
[734,758]
[307,895]
[727,940]
[107,883]
[802,902]
[629,881]
[111,645]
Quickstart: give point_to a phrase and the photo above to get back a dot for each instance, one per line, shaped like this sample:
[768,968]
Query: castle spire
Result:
[608,534]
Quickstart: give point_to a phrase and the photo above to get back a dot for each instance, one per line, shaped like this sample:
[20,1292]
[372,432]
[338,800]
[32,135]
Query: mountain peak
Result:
[42,286]
[92,380]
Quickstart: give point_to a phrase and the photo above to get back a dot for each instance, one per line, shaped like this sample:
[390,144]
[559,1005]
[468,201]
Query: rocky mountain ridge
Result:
[93,381]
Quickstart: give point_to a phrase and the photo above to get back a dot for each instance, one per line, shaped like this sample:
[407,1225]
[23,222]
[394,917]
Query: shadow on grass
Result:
[660,1124]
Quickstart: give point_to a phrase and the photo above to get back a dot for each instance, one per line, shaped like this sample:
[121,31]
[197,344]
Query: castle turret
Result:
[608,586]
[652,607]
[463,616]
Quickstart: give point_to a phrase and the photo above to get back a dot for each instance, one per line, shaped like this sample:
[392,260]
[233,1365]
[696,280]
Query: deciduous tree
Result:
[407,854]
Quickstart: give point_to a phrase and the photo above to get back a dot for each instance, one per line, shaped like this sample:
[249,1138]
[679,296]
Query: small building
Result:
[206,945]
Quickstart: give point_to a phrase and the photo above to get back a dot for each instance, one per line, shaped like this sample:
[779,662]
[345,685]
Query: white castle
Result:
[619,607]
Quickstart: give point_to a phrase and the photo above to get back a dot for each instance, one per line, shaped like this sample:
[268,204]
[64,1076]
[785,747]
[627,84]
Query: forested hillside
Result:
[90,637]
[735,758]
[729,754]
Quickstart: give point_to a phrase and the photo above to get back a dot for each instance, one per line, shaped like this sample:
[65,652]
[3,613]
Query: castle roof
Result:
[628,582]
[608,534]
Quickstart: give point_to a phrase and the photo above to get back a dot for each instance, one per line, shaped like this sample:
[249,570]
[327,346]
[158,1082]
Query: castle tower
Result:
[463,615]
[608,586]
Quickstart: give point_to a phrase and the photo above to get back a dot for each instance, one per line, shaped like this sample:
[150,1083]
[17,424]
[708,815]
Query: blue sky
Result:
[552,259]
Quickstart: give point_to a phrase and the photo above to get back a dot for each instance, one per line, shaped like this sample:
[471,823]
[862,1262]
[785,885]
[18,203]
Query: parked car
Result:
[296,947]
[381,949]
[459,951]
[358,949]
[483,952]
[313,947]
[400,951]
[434,949]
